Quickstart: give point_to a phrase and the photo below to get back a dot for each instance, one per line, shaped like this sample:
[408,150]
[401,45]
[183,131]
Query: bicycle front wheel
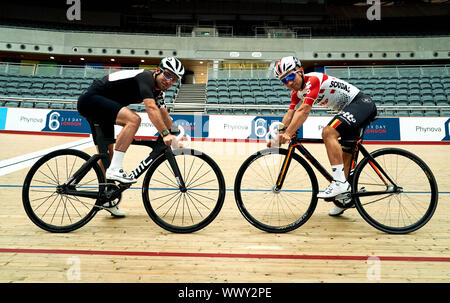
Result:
[46,206]
[184,211]
[265,207]
[402,212]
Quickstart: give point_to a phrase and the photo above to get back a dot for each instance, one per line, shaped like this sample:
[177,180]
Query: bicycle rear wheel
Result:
[189,211]
[268,209]
[396,213]
[46,206]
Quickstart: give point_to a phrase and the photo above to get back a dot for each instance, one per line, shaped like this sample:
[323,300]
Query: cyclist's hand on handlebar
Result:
[284,138]
[281,139]
[168,139]
[273,143]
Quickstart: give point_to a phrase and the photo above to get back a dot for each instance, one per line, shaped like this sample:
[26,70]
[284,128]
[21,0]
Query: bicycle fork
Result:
[287,162]
[176,170]
[145,164]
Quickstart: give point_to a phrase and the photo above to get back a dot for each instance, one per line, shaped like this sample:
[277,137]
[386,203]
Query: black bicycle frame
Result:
[296,143]
[158,148]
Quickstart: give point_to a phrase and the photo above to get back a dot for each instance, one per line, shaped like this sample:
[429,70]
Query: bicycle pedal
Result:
[343,197]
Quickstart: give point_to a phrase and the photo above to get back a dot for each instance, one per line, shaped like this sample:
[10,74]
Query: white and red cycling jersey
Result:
[324,90]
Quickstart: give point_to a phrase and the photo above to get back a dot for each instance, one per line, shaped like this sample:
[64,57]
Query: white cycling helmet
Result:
[285,65]
[172,64]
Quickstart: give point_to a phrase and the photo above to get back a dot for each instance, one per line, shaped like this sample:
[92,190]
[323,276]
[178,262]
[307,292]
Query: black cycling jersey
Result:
[129,86]
[102,101]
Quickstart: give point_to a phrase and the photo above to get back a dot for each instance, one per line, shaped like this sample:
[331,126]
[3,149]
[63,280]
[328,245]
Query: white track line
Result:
[24,161]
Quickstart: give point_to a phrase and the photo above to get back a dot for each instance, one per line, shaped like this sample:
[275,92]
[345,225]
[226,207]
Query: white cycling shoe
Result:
[115,211]
[118,174]
[334,189]
[336,211]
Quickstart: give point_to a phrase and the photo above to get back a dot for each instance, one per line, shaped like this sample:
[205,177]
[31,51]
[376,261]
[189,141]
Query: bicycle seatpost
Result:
[102,146]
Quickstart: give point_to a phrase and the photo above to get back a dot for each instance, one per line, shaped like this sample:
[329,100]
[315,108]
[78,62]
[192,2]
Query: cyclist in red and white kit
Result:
[355,112]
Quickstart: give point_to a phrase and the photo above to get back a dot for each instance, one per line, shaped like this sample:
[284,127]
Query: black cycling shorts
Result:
[100,110]
[351,121]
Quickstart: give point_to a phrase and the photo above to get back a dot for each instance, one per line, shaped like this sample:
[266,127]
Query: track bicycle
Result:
[182,191]
[392,189]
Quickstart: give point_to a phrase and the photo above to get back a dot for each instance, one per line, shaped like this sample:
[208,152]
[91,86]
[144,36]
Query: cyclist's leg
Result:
[130,121]
[101,111]
[339,184]
[352,121]
[348,125]
[109,112]
[108,139]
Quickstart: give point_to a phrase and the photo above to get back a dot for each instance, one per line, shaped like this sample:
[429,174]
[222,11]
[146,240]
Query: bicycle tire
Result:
[251,209]
[417,181]
[39,190]
[186,214]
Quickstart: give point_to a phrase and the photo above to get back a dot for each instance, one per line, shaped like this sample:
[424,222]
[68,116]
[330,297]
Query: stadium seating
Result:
[406,91]
[63,90]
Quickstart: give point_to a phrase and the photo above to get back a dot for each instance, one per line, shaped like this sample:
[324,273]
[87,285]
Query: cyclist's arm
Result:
[288,117]
[299,117]
[166,118]
[154,113]
[302,112]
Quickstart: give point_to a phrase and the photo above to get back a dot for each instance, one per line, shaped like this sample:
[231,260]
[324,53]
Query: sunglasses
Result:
[288,78]
[169,77]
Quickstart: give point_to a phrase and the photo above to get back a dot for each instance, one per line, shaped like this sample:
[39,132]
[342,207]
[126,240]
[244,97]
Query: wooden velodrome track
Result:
[134,249]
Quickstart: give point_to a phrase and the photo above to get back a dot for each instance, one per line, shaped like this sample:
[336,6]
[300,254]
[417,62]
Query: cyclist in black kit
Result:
[105,103]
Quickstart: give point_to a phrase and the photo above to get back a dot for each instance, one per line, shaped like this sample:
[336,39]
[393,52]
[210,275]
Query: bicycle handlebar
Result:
[182,140]
[273,132]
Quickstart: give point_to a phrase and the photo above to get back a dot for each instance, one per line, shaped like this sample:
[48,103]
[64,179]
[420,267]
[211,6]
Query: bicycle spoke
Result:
[174,197]
[170,180]
[169,185]
[198,201]
[194,204]
[51,179]
[171,194]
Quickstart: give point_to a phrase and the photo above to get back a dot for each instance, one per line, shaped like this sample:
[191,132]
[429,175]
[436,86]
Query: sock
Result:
[116,161]
[338,172]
